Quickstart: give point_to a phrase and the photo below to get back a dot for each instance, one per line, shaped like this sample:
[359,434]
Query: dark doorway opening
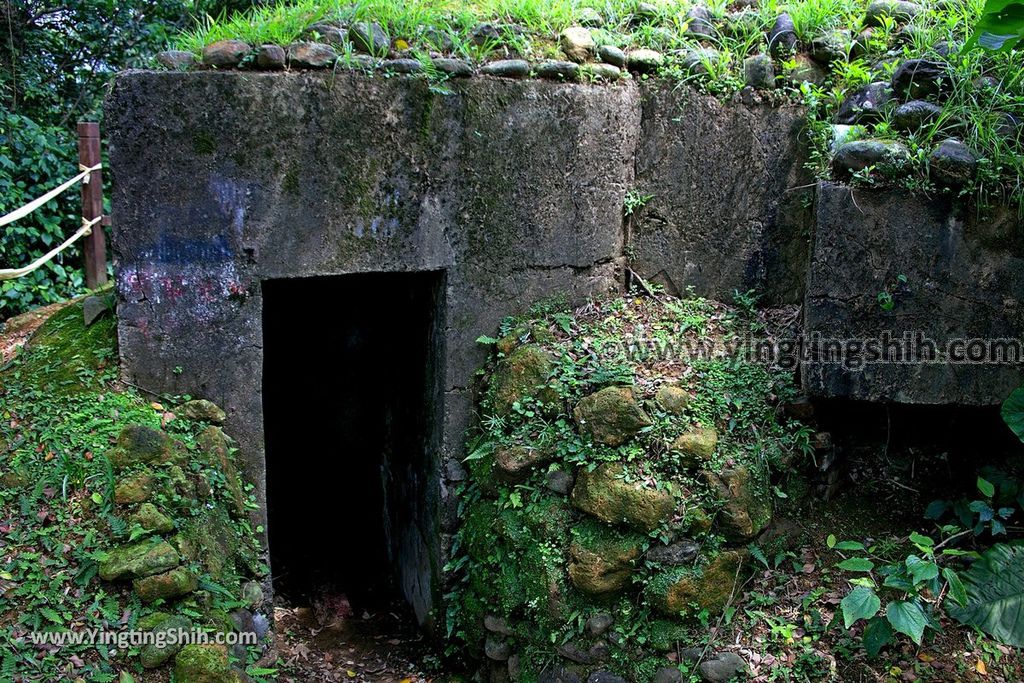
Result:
[351,398]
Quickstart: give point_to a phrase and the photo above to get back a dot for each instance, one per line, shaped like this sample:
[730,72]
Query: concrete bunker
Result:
[351,432]
[515,190]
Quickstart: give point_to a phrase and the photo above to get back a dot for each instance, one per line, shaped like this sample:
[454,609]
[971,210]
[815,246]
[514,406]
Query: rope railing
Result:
[82,177]
[87,224]
[84,231]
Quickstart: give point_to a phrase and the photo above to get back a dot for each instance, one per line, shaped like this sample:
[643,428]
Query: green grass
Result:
[971,114]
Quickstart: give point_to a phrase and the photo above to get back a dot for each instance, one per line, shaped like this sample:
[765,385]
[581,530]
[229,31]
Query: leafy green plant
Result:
[1000,27]
[635,200]
[914,589]
[989,513]
[1012,412]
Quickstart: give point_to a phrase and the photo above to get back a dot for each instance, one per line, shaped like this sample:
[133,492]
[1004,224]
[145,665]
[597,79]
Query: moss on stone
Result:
[175,583]
[134,560]
[678,589]
[218,449]
[149,517]
[201,410]
[611,416]
[748,507]
[152,655]
[520,564]
[151,621]
[204,664]
[66,357]
[134,488]
[602,560]
[140,445]
[522,375]
[607,494]
[515,463]
[672,399]
[696,447]
[211,541]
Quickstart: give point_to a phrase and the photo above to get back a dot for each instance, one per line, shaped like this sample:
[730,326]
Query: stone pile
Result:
[180,531]
[614,511]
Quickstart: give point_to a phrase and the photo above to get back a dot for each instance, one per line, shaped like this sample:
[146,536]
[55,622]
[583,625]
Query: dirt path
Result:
[379,647]
[16,331]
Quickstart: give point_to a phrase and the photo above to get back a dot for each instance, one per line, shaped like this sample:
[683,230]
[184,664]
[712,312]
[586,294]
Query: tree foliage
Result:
[56,61]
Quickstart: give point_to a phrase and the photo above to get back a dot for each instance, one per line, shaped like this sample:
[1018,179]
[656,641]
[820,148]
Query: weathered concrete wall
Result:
[730,199]
[226,180]
[951,273]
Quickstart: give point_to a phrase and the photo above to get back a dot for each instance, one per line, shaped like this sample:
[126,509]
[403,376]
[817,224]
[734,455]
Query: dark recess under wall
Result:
[348,387]
[935,449]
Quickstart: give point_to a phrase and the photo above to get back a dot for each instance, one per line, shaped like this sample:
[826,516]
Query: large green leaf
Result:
[907,618]
[877,634]
[995,594]
[1000,27]
[956,587]
[861,603]
[1013,412]
[857,564]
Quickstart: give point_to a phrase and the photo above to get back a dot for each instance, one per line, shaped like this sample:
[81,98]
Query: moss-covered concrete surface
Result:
[894,94]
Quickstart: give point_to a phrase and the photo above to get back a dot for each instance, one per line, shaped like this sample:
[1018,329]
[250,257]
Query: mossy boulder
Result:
[140,445]
[152,655]
[602,560]
[608,495]
[611,416]
[514,463]
[252,594]
[15,477]
[152,620]
[211,541]
[521,375]
[696,447]
[522,333]
[135,488]
[149,517]
[678,589]
[517,568]
[204,664]
[748,508]
[672,398]
[201,410]
[135,560]
[175,583]
[218,448]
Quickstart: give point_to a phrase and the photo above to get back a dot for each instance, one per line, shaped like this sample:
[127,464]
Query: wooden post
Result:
[92,205]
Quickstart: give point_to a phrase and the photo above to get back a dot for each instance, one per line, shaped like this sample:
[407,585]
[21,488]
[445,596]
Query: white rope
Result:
[36,203]
[84,231]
